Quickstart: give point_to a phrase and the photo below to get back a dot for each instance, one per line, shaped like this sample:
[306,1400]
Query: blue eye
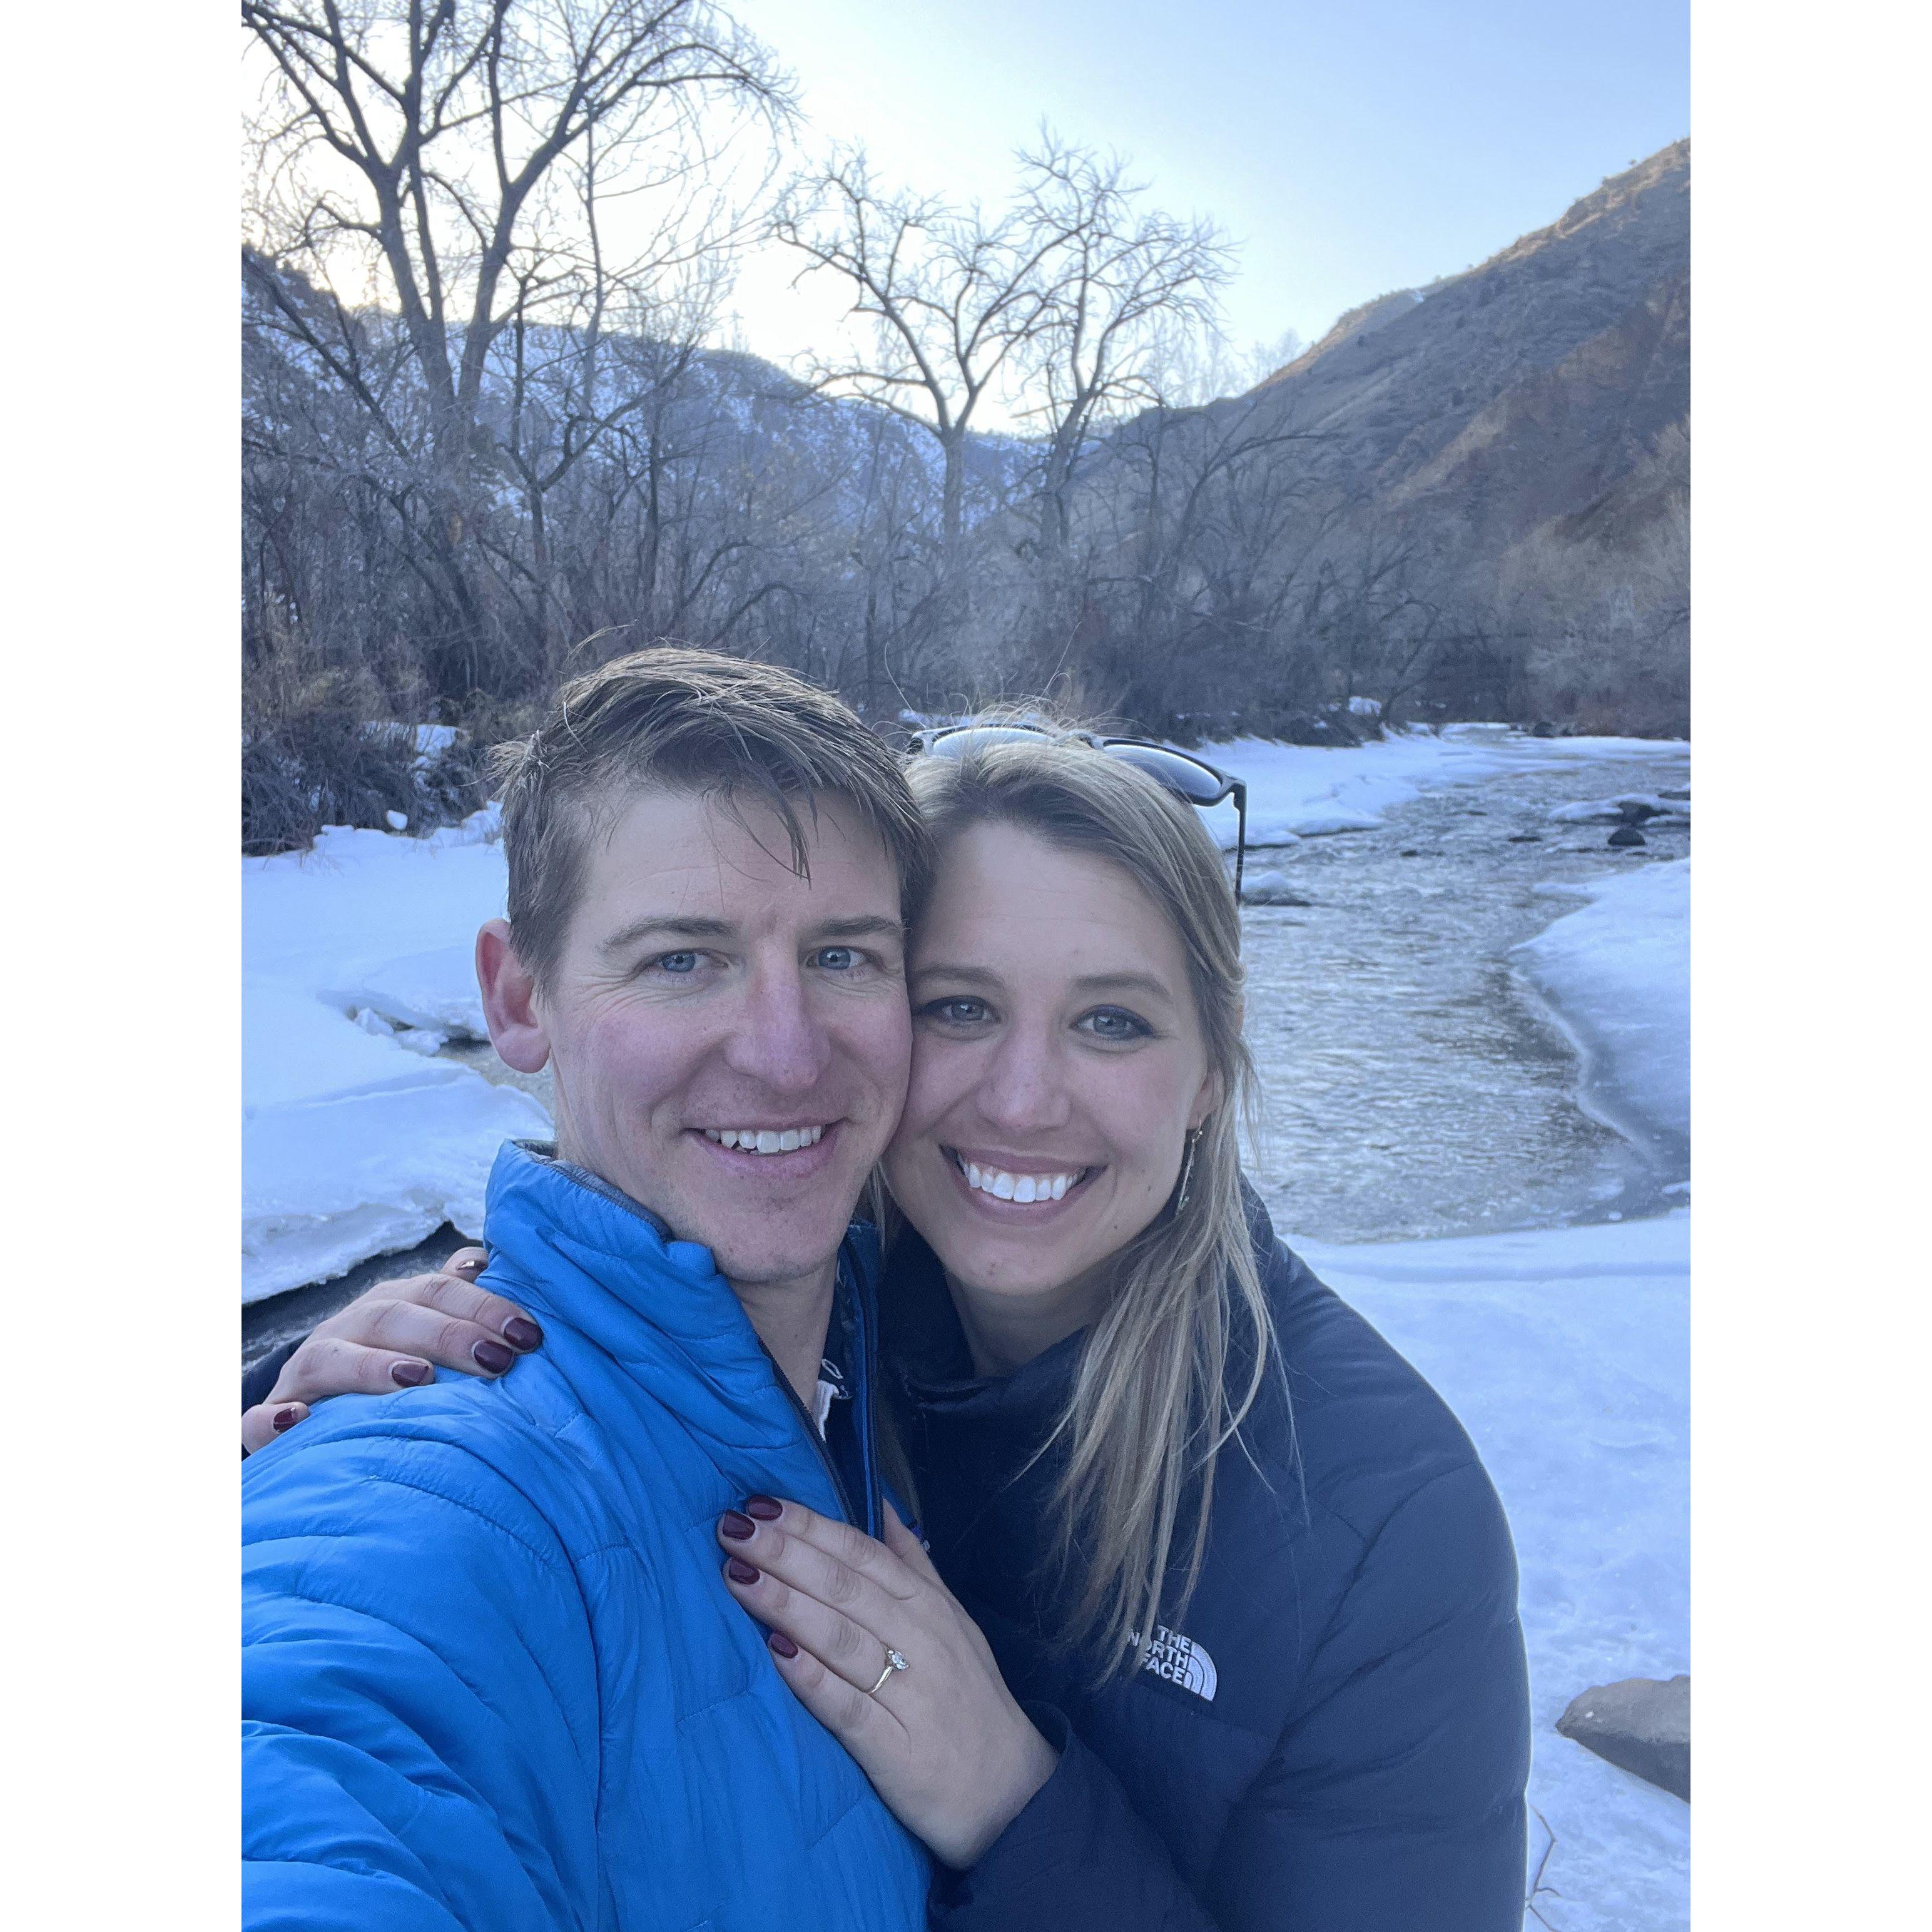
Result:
[1115,1023]
[675,962]
[836,959]
[959,1011]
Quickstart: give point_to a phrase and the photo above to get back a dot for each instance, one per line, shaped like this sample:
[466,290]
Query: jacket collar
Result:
[922,1342]
[580,1253]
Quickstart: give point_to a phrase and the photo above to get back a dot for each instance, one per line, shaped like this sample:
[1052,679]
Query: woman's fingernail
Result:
[522,1334]
[492,1356]
[285,1418]
[782,1644]
[765,1508]
[737,1527]
[467,1264]
[740,1573]
[411,1375]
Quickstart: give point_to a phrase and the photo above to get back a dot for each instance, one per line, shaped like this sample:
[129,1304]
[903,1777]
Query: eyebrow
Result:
[666,928]
[867,926]
[1092,982]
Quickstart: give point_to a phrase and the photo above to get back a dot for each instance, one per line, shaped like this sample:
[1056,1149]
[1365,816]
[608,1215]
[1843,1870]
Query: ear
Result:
[1213,1091]
[510,1001]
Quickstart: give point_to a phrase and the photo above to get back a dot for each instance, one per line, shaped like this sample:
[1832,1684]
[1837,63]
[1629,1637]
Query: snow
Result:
[356,1141]
[1618,972]
[1566,1354]
[1606,811]
[1312,790]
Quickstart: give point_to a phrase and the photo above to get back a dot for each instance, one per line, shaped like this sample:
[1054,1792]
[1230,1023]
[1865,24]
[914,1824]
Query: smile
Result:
[1003,1186]
[766,1140]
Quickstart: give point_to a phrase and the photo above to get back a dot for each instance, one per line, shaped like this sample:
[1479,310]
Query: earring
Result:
[1187,1169]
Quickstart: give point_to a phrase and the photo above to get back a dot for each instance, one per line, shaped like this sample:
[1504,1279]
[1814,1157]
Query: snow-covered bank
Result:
[353,1144]
[1305,790]
[1617,973]
[1566,1354]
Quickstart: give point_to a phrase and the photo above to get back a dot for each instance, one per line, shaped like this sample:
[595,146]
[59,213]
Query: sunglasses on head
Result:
[1188,777]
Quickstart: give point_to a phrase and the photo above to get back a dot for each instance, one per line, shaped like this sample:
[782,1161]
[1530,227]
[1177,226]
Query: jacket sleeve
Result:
[1394,1798]
[419,1697]
[1078,1857]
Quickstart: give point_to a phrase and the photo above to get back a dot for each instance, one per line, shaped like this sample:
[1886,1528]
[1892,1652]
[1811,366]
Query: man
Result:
[492,1677]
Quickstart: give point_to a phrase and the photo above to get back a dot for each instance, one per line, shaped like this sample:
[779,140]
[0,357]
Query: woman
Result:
[1212,1571]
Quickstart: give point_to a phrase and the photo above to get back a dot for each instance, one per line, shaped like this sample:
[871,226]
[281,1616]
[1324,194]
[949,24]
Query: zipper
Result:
[812,1436]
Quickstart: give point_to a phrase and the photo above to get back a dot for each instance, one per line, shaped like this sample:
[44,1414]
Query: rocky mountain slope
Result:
[1523,429]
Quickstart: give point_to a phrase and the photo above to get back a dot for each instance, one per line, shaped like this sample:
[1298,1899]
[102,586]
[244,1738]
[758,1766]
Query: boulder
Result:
[1628,834]
[1641,1725]
[1271,888]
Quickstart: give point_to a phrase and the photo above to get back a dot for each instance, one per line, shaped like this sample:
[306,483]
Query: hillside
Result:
[1525,427]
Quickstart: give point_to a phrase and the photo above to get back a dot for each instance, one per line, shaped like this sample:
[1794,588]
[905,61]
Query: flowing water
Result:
[1413,1084]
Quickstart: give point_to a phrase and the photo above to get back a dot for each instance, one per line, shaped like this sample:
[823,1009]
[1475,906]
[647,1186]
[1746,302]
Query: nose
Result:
[1023,1090]
[776,1040]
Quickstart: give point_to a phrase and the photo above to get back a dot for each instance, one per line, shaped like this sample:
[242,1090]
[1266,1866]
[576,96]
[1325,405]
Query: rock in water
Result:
[1271,888]
[1628,834]
[1641,1725]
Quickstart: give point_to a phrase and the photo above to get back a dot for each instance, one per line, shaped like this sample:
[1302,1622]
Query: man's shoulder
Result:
[463,1461]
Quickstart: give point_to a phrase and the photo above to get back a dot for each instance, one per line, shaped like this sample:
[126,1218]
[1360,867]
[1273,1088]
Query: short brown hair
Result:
[693,722]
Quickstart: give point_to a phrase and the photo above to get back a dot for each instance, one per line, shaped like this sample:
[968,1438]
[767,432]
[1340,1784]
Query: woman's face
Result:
[1057,1064]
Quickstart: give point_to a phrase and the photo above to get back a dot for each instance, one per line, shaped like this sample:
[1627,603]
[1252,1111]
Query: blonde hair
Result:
[1152,1406]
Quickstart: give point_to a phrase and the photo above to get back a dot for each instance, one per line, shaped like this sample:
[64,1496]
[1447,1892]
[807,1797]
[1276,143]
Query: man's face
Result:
[705,995]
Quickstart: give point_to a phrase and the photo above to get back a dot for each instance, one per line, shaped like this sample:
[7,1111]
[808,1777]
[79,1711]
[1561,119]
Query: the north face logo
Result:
[1181,1660]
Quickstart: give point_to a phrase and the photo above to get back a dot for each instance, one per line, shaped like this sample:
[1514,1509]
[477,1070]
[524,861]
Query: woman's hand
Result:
[393,1337]
[943,1740]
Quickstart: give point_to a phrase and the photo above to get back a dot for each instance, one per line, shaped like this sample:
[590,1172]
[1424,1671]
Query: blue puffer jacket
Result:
[493,1678]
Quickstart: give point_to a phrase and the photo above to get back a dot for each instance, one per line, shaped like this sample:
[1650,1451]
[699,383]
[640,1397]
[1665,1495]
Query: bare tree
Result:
[952,295]
[1123,283]
[466,157]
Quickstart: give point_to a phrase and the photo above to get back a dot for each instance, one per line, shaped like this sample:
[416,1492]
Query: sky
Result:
[1351,149]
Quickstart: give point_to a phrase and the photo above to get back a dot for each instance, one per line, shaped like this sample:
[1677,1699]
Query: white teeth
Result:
[766,1140]
[1019,1187]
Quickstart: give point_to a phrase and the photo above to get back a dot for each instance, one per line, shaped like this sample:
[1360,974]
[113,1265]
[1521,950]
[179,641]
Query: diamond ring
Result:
[893,1662]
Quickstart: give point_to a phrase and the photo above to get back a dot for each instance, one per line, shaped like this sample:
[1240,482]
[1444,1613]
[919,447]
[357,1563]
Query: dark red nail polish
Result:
[737,1527]
[285,1418]
[765,1508]
[411,1375]
[782,1644]
[522,1334]
[739,1572]
[492,1356]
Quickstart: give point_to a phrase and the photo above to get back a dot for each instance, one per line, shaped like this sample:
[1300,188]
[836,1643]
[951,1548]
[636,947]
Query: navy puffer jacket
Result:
[1335,1739]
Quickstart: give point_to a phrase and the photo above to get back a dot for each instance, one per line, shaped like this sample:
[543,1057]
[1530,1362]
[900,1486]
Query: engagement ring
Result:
[893,1662]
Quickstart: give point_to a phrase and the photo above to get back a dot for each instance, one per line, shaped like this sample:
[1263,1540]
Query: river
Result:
[1413,1084]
